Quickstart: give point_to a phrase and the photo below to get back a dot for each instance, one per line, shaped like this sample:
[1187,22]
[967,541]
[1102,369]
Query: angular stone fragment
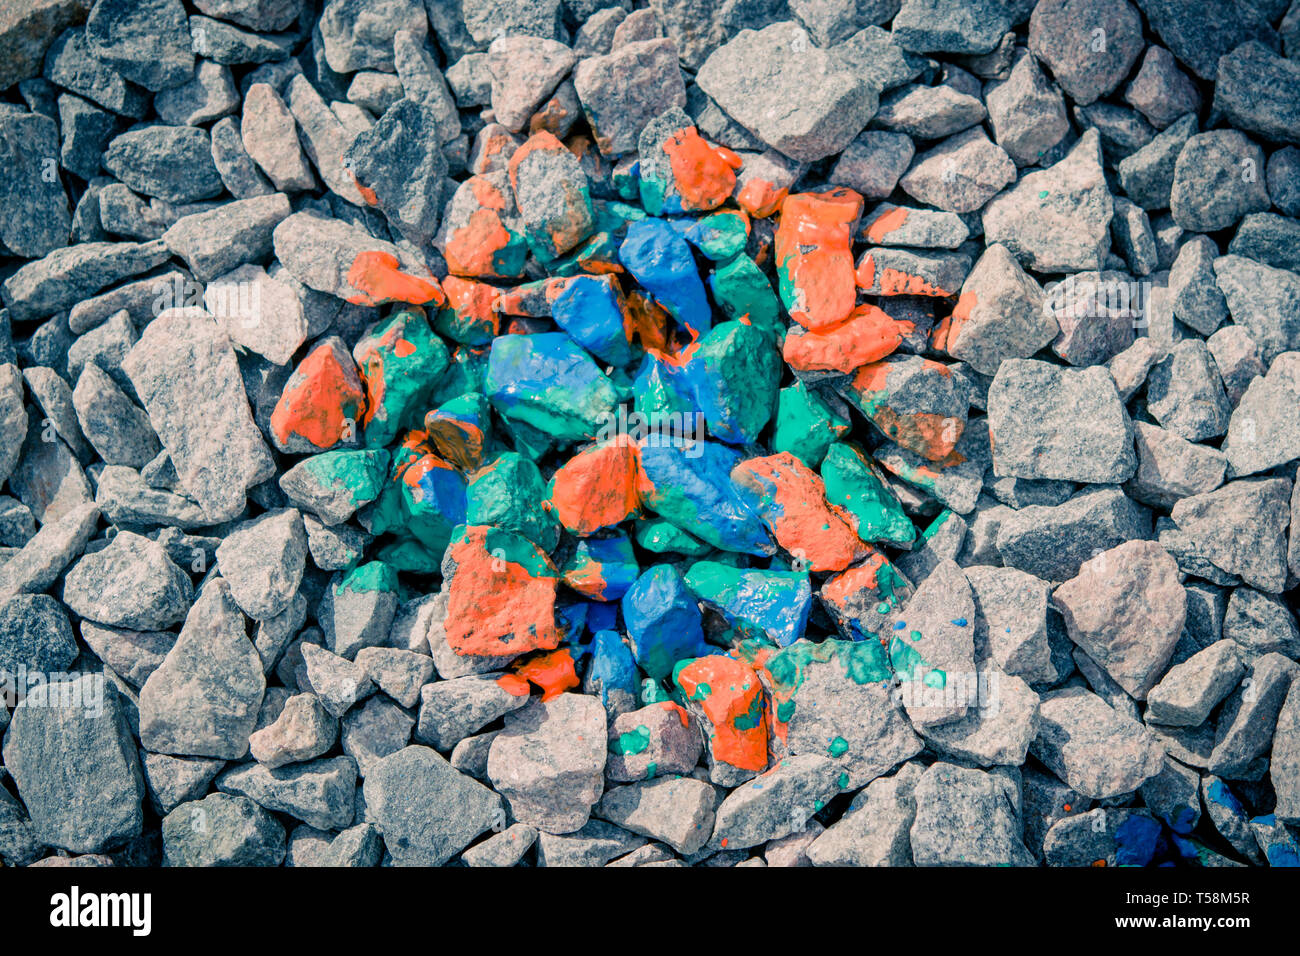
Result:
[204,698]
[1057,219]
[1066,38]
[933,653]
[263,560]
[1185,395]
[130,583]
[960,174]
[1171,467]
[1011,622]
[675,810]
[1248,719]
[1190,690]
[1096,750]
[451,710]
[221,830]
[1213,187]
[790,94]
[549,762]
[1049,422]
[659,738]
[1240,528]
[302,731]
[875,830]
[1262,432]
[966,817]
[339,683]
[1126,608]
[320,793]
[217,241]
[69,750]
[776,803]
[1262,299]
[622,91]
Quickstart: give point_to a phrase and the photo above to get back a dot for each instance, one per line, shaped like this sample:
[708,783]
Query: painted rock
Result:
[549,383]
[597,488]
[913,401]
[814,256]
[322,403]
[552,196]
[400,359]
[771,605]
[663,621]
[660,260]
[680,172]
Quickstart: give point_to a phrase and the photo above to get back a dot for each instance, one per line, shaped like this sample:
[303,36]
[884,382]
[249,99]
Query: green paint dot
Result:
[1043,194]
[633,742]
[838,748]
[844,780]
[915,635]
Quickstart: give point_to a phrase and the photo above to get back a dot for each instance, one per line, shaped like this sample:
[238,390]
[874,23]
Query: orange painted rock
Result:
[597,488]
[459,428]
[886,271]
[468,316]
[764,182]
[868,335]
[680,172]
[480,238]
[552,672]
[322,403]
[913,401]
[728,695]
[379,279]
[501,594]
[791,500]
[862,600]
[814,256]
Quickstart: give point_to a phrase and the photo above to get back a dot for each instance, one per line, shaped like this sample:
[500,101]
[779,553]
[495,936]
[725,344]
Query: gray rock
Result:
[776,803]
[320,793]
[221,830]
[146,41]
[333,548]
[1262,299]
[43,557]
[126,499]
[338,682]
[1262,434]
[1026,112]
[676,810]
[1268,238]
[1249,717]
[262,15]
[70,64]
[960,174]
[928,112]
[451,710]
[394,159]
[873,163]
[1284,180]
[263,560]
[196,403]
[34,206]
[998,729]
[1126,608]
[323,136]
[1196,300]
[1284,761]
[203,699]
[302,731]
[1239,527]
[1065,37]
[1170,467]
[876,829]
[764,79]
[175,780]
[1249,92]
[549,762]
[232,46]
[1217,181]
[1190,690]
[1056,219]
[1147,174]
[214,242]
[115,426]
[1094,838]
[358,845]
[506,848]
[1198,33]
[595,844]
[173,163]
[623,90]
[950,26]
[1185,393]
[129,583]
[1160,91]
[132,655]
[374,730]
[398,673]
[1049,422]
[1011,622]
[967,817]
[426,811]
[271,140]
[354,617]
[74,765]
[1096,750]
[359,35]
[208,96]
[66,276]
[942,613]
[1000,314]
[656,739]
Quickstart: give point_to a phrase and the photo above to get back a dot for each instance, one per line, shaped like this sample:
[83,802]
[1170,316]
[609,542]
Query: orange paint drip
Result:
[898,282]
[366,193]
[868,335]
[705,176]
[514,685]
[886,223]
[733,704]
[839,590]
[597,488]
[379,280]
[948,332]
[647,320]
[682,715]
[761,198]
[553,672]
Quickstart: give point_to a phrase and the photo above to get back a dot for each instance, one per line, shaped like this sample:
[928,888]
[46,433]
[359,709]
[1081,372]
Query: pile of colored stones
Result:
[557,433]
